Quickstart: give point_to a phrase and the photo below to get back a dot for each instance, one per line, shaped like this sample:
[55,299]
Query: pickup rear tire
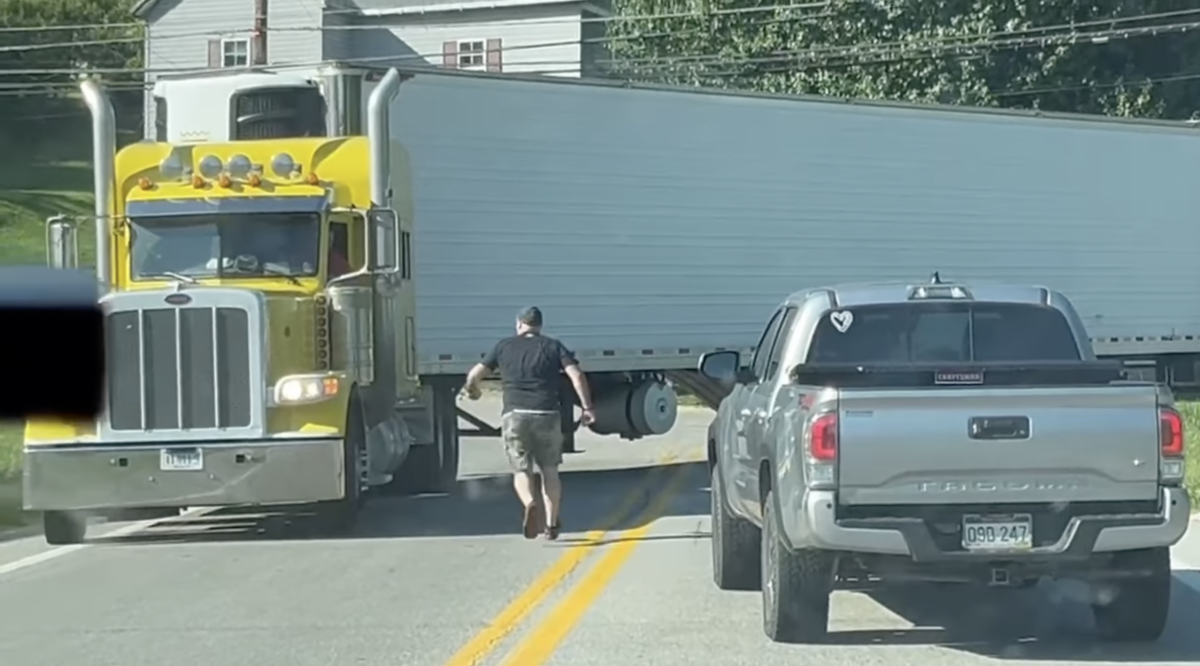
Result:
[64,528]
[736,544]
[795,585]
[1137,609]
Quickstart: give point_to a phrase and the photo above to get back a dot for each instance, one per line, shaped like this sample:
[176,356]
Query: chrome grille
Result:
[179,368]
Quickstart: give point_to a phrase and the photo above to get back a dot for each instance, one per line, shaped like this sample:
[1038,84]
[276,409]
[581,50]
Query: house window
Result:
[235,52]
[472,55]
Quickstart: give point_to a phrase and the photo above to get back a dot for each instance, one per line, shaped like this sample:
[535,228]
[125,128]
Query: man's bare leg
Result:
[534,521]
[523,484]
[551,497]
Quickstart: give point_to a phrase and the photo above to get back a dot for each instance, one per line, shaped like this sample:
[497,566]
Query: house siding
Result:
[534,39]
[338,41]
[294,34]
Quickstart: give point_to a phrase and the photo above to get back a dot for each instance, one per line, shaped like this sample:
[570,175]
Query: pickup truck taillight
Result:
[821,451]
[1170,443]
[823,443]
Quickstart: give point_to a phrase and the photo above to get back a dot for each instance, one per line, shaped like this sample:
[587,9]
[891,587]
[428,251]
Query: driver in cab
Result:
[267,249]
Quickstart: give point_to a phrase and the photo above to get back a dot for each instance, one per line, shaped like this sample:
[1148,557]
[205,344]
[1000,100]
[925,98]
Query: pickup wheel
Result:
[339,517]
[64,528]
[795,586]
[736,544]
[1136,609]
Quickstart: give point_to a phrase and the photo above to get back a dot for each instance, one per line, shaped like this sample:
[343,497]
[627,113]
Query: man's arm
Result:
[481,370]
[579,381]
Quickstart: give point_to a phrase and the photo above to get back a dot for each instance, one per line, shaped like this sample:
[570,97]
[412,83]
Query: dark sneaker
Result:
[533,522]
[553,530]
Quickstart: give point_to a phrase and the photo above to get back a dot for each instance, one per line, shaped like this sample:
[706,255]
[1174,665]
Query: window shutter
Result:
[450,55]
[495,62]
[214,54]
[253,52]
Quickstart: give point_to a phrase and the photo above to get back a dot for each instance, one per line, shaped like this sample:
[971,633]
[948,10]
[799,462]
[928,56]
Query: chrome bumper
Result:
[812,523]
[113,476]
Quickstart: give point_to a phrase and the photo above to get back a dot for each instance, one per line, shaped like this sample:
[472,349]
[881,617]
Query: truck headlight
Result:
[303,389]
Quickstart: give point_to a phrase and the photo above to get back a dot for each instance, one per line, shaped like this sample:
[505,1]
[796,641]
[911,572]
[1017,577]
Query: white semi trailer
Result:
[653,224]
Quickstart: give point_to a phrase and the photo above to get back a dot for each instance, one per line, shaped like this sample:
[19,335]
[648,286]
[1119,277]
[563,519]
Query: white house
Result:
[550,37]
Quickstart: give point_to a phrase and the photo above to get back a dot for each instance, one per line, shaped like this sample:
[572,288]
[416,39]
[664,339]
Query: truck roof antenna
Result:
[937,278]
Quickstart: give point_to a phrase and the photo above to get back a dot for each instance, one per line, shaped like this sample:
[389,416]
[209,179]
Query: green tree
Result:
[1117,57]
[47,45]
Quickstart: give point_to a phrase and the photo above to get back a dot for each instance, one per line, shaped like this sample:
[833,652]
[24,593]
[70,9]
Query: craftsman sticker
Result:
[841,320]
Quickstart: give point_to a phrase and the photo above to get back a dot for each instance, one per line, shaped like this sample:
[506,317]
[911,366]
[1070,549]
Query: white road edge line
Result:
[59,551]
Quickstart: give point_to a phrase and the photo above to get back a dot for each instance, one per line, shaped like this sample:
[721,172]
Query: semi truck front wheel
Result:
[64,528]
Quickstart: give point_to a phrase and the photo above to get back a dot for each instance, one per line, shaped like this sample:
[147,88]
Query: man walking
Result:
[530,367]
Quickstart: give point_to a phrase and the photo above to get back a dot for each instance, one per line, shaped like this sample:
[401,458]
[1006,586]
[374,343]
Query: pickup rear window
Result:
[941,331]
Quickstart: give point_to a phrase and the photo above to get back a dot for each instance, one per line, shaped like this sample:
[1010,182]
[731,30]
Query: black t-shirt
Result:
[530,371]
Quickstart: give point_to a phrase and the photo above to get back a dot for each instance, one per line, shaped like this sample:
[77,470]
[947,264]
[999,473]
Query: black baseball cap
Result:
[530,316]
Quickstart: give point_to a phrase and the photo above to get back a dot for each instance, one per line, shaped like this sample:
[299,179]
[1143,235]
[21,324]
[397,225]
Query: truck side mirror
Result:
[384,229]
[722,366]
[62,243]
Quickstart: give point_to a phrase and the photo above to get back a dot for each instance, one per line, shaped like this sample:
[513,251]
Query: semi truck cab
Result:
[259,313]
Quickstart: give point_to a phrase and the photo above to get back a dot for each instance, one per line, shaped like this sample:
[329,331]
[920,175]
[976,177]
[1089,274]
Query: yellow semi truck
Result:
[259,306]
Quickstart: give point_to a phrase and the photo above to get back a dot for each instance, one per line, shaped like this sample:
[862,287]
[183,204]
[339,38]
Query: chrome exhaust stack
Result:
[104,152]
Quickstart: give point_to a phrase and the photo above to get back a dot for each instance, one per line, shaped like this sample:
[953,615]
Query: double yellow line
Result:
[541,642]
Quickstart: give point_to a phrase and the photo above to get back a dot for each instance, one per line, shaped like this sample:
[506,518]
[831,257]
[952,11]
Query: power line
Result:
[859,54]
[1120,83]
[931,47]
[822,55]
[574,20]
[339,28]
[81,26]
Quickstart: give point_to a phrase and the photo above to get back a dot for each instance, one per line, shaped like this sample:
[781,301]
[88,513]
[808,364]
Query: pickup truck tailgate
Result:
[916,446]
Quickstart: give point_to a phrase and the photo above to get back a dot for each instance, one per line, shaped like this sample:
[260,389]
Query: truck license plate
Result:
[181,460]
[1013,532]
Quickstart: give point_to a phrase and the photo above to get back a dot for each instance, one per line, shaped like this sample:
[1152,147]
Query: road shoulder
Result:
[14,522]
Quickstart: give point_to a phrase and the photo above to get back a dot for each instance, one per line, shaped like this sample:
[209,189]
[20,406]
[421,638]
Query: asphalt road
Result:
[448,581]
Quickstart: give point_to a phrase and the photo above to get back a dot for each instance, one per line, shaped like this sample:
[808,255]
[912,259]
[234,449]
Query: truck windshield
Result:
[931,332]
[226,245]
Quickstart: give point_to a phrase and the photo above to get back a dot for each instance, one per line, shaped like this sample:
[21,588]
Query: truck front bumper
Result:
[116,476]
[814,524]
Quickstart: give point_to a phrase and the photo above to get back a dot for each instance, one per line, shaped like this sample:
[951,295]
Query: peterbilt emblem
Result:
[178,299]
[995,486]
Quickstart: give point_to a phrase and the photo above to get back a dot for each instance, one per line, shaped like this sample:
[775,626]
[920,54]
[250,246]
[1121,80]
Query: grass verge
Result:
[10,475]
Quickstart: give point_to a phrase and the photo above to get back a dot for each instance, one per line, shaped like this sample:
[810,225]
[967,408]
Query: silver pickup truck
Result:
[941,432]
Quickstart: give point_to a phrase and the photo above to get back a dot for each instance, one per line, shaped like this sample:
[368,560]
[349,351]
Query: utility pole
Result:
[259,46]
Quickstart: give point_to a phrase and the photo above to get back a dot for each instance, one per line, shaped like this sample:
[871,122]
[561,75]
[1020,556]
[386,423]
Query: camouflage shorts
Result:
[532,440]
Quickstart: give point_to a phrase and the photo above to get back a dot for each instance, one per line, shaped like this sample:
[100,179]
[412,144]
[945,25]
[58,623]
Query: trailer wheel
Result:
[340,516]
[64,528]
